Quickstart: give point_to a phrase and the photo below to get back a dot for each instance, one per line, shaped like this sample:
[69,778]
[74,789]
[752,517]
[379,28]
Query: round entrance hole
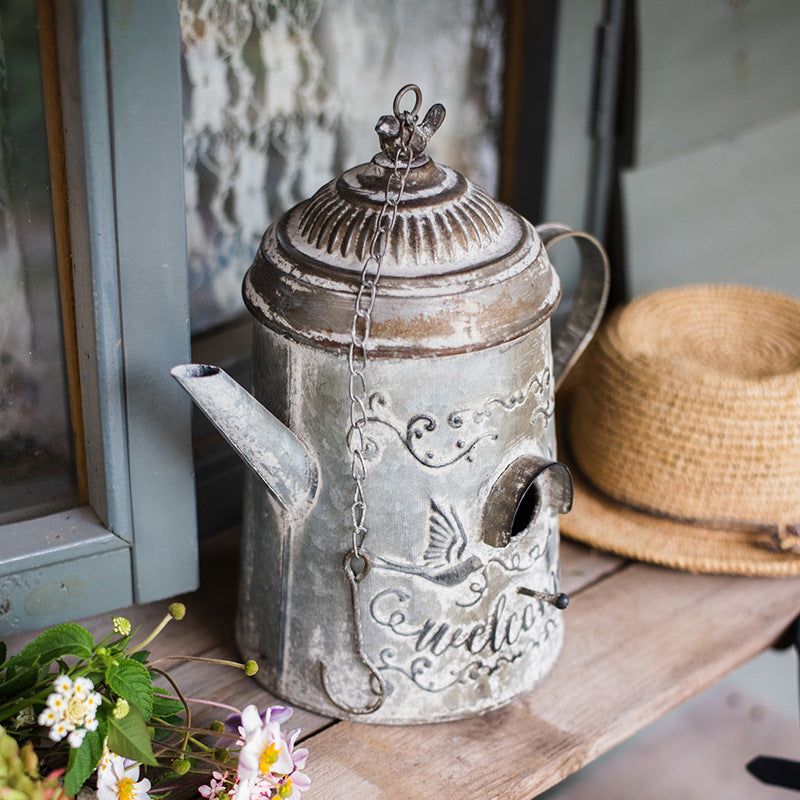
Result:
[527,506]
[519,493]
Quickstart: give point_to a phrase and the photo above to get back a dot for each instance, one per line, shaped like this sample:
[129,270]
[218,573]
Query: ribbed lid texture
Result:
[444,222]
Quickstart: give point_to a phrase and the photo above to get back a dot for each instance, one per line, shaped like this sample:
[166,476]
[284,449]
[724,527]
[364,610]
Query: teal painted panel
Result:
[143,41]
[127,222]
[708,71]
[65,536]
[44,596]
[90,181]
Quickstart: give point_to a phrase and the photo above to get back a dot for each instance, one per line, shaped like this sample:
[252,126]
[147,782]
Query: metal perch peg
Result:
[558,600]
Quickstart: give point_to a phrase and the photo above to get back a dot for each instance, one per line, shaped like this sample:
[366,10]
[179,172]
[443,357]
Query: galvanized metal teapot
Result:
[400,537]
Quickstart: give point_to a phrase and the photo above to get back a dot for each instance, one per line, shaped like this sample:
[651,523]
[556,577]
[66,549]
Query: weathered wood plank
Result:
[581,566]
[207,630]
[638,643]
[698,752]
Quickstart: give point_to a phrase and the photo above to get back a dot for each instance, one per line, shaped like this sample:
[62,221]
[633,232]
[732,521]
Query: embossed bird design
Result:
[444,556]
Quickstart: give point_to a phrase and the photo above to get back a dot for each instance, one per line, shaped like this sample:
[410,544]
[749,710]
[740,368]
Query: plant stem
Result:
[199,744]
[212,703]
[180,696]
[221,661]
[160,627]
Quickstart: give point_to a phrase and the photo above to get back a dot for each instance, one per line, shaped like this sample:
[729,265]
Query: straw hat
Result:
[682,429]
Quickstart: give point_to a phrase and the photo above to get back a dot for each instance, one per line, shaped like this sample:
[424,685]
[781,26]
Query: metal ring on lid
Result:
[409,87]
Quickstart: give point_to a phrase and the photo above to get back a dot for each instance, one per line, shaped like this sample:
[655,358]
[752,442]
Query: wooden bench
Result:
[639,641]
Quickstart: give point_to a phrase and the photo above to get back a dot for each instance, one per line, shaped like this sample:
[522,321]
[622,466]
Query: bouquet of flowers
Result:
[89,719]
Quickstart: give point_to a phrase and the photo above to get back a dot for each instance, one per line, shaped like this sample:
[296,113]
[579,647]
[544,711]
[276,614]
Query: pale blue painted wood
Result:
[90,180]
[46,595]
[147,144]
[65,536]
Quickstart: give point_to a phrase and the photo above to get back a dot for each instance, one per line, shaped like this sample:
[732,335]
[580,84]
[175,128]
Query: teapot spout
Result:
[279,458]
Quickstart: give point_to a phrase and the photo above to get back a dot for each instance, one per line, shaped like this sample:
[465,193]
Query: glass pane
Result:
[282,95]
[37,470]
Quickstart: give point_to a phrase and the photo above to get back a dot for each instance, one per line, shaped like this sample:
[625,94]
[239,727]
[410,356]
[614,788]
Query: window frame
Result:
[136,540]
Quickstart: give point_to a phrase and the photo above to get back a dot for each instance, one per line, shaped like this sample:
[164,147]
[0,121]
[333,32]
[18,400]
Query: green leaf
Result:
[128,737]
[84,760]
[164,707]
[141,656]
[19,683]
[131,680]
[66,639]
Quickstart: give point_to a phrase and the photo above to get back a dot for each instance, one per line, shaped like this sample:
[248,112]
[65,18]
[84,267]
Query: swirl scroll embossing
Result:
[435,445]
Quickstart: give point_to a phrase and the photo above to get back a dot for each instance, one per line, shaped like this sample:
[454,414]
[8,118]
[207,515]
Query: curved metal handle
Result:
[590,298]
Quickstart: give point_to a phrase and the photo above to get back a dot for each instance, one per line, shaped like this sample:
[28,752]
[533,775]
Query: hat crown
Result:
[688,405]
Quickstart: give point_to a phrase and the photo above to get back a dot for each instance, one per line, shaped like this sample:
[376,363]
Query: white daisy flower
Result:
[58,731]
[75,738]
[116,782]
[48,717]
[71,710]
[57,702]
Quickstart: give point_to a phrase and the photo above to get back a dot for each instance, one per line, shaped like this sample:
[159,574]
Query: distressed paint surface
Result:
[66,590]
[449,639]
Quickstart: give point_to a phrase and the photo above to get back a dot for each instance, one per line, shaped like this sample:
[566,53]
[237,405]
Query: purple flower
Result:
[265,754]
[216,786]
[277,714]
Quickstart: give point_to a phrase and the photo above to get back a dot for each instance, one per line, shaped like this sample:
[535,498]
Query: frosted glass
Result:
[37,471]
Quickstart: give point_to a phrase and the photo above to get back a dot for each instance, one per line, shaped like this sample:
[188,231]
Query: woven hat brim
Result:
[597,521]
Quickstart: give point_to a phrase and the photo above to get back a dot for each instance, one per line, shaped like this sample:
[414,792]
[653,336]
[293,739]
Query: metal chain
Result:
[357,356]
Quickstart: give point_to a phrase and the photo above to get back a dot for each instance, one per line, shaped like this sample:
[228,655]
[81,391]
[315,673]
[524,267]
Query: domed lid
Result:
[459,271]
[444,223]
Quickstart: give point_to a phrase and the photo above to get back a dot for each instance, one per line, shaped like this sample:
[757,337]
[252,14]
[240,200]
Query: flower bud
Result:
[250,668]
[222,754]
[121,708]
[181,766]
[28,757]
[217,726]
[121,625]
[177,610]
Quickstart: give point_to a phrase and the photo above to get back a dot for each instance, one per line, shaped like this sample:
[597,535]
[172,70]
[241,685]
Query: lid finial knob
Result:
[401,131]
